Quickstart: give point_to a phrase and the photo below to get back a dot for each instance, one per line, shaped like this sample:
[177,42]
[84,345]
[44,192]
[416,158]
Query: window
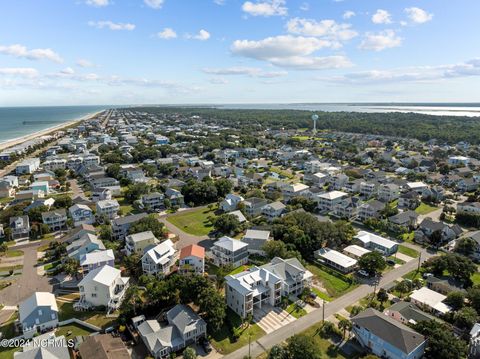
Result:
[94,295]
[40,312]
[37,321]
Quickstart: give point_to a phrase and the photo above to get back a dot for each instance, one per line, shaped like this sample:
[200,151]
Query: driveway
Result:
[28,282]
[314,317]
[76,189]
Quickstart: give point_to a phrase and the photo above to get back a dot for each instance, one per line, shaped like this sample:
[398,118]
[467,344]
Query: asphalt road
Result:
[315,317]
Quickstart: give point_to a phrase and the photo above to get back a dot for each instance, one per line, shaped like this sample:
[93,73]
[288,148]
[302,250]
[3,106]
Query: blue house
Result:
[387,338]
[38,312]
[85,244]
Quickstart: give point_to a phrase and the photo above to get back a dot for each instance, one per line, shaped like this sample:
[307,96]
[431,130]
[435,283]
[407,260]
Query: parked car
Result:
[427,275]
[206,345]
[390,262]
[363,273]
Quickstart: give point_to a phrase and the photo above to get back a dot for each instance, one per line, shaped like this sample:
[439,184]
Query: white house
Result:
[37,313]
[229,251]
[81,214]
[328,201]
[273,210]
[27,166]
[337,260]
[231,202]
[108,208]
[96,259]
[429,299]
[192,259]
[375,242]
[265,285]
[103,286]
[159,259]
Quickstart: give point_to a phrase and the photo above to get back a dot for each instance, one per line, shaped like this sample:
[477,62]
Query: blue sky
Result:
[70,52]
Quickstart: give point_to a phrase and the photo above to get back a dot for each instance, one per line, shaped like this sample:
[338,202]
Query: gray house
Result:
[37,313]
[121,225]
[20,227]
[184,328]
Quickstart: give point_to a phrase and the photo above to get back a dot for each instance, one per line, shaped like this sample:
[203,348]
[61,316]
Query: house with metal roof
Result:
[160,259]
[335,259]
[229,251]
[37,313]
[374,242]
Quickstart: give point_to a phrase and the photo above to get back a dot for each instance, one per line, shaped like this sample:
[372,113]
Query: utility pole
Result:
[249,341]
[419,261]
[323,311]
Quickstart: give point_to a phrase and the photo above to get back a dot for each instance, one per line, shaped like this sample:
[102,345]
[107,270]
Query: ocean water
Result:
[21,121]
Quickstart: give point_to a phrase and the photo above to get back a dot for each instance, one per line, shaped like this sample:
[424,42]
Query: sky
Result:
[89,52]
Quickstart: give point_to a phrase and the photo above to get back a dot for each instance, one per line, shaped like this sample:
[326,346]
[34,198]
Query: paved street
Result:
[75,189]
[29,281]
[314,317]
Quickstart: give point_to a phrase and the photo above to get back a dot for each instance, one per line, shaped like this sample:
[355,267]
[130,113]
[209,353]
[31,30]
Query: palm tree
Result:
[344,325]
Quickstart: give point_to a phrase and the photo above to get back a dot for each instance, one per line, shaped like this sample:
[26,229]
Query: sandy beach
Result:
[47,131]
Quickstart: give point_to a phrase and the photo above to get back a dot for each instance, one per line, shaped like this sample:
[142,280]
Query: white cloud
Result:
[265,8]
[21,51]
[219,2]
[68,71]
[329,29]
[202,35]
[348,14]
[247,71]
[412,74]
[290,51]
[154,4]
[116,26]
[417,15]
[382,17]
[380,41]
[98,3]
[19,71]
[85,63]
[167,33]
[305,6]
[218,81]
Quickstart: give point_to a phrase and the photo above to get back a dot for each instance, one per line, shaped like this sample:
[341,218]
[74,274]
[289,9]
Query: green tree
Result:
[71,266]
[135,191]
[226,223]
[189,353]
[277,352]
[372,262]
[213,308]
[455,299]
[441,342]
[148,223]
[224,187]
[3,248]
[465,318]
[301,346]
[465,246]
[344,325]
[382,296]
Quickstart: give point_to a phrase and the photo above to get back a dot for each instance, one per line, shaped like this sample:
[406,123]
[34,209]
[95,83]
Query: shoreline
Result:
[19,140]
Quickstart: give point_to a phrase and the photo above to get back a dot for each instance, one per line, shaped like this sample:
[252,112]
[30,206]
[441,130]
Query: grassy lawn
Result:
[322,295]
[295,310]
[14,268]
[125,207]
[74,328]
[193,222]
[407,237]
[51,265]
[335,285]
[408,251]
[14,253]
[4,284]
[396,260]
[224,341]
[324,346]
[414,274]
[475,278]
[93,317]
[425,208]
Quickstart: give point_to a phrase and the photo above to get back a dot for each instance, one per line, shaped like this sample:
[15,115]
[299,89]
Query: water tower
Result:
[314,118]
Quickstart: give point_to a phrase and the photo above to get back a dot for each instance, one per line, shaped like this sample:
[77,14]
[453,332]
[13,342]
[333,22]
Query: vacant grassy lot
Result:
[193,222]
[336,285]
[408,251]
[14,253]
[224,341]
[425,208]
[93,317]
[75,330]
